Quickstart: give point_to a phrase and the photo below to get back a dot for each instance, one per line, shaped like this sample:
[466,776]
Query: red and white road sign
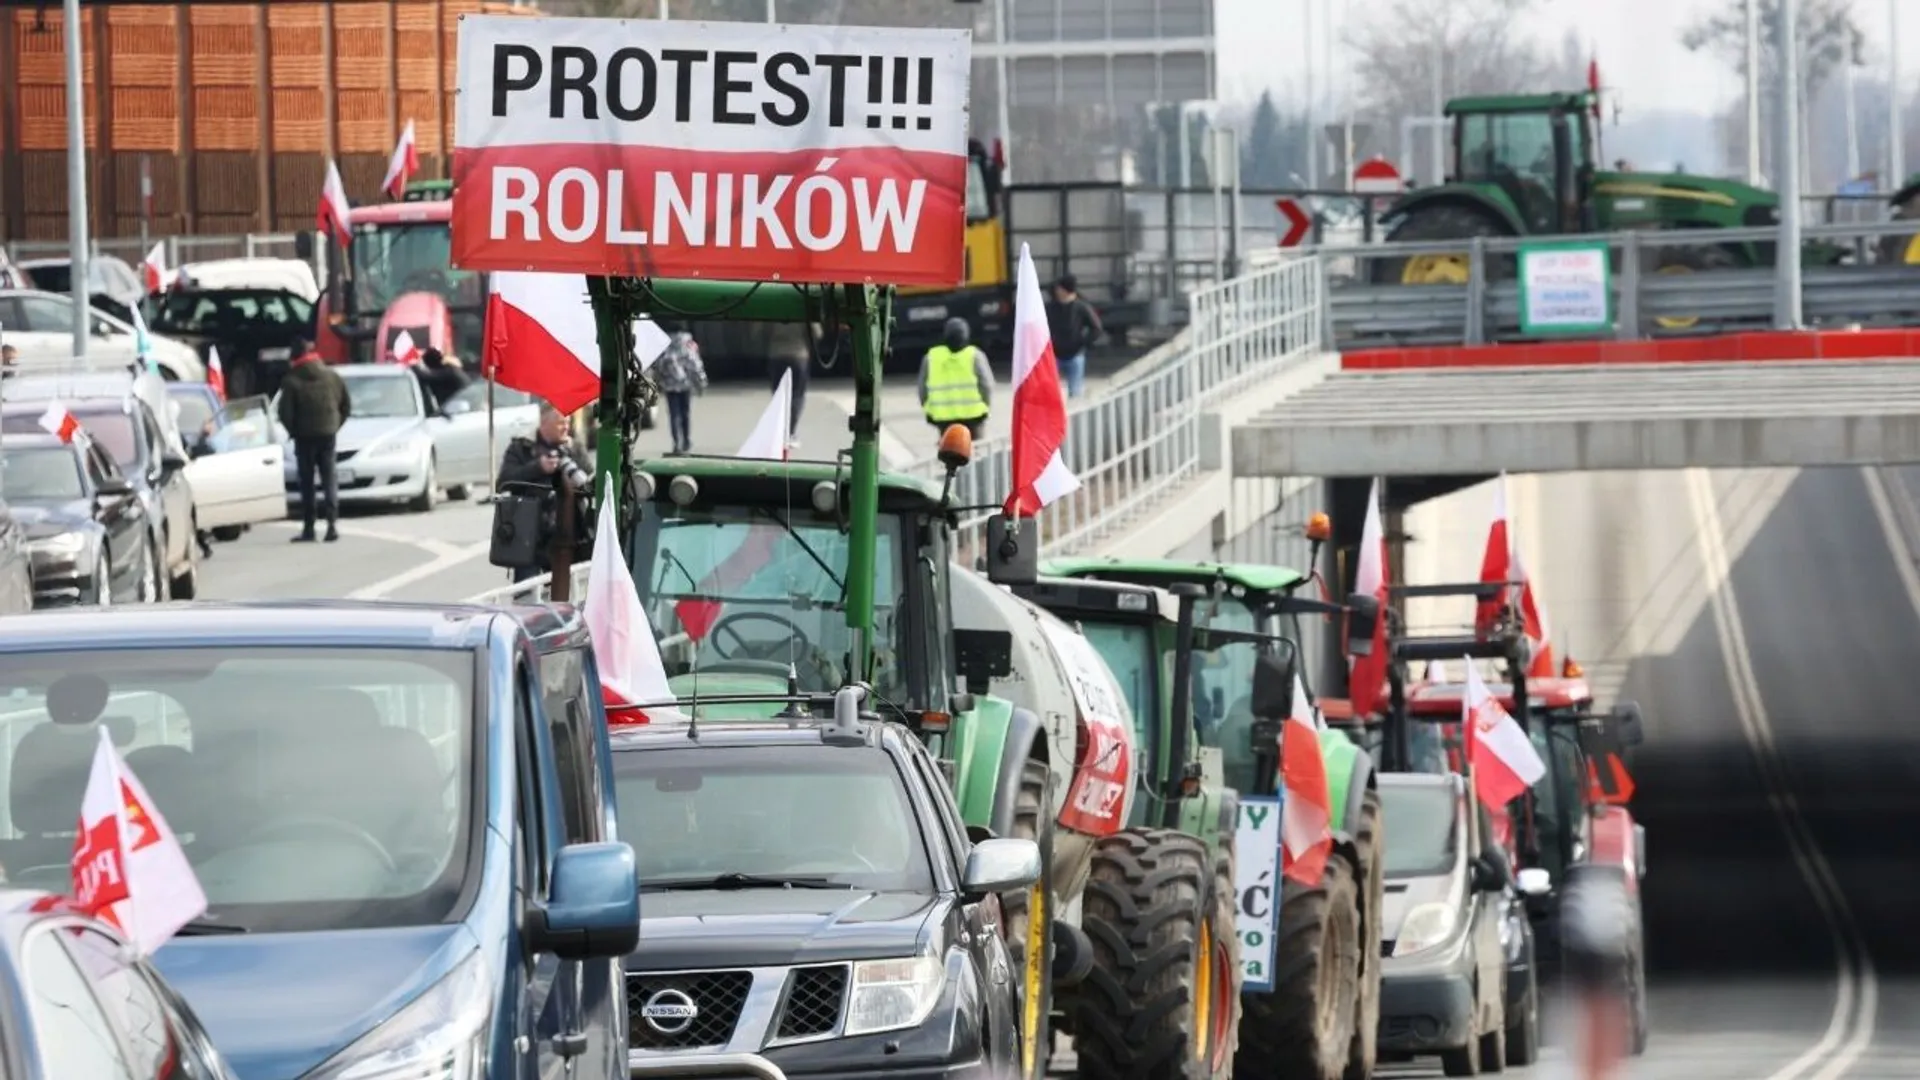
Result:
[1377,176]
[1295,220]
[740,151]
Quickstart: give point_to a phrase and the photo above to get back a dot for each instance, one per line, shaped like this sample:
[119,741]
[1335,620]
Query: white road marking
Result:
[1850,1029]
[446,557]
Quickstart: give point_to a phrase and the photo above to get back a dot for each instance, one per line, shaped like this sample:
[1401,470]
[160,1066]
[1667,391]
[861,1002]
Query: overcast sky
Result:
[1637,43]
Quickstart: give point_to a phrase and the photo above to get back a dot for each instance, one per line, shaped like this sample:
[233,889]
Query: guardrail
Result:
[1655,294]
[1141,439]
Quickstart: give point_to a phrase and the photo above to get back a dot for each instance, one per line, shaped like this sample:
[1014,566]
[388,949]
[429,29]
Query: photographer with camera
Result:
[549,458]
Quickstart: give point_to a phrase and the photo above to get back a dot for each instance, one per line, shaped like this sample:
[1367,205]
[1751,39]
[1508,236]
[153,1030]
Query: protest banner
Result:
[736,151]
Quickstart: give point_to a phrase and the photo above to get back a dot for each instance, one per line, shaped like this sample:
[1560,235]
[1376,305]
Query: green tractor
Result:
[1319,1021]
[1527,166]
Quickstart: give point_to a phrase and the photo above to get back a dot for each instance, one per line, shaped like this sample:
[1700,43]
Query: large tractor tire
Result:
[1147,1010]
[1225,1012]
[1028,921]
[1701,259]
[1304,1028]
[1903,250]
[1442,221]
[1364,1052]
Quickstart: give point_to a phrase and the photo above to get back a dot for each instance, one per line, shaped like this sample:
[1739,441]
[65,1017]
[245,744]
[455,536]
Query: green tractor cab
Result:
[1315,1022]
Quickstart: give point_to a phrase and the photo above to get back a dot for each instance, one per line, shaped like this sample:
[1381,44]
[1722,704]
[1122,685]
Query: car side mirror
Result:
[1492,871]
[1363,618]
[102,328]
[1273,682]
[1534,881]
[1002,865]
[171,462]
[115,487]
[593,904]
[1627,725]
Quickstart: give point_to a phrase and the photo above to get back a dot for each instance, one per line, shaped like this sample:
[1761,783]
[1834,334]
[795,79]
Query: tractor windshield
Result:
[1129,652]
[1223,694]
[1557,799]
[390,260]
[750,591]
[1513,151]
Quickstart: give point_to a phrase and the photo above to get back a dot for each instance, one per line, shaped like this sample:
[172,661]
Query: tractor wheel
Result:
[1690,260]
[1903,249]
[1365,1050]
[1147,1009]
[1637,1000]
[1304,1027]
[1028,921]
[1442,222]
[1225,982]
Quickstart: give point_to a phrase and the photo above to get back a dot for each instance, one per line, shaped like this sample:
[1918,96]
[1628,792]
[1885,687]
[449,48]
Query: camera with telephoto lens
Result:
[526,519]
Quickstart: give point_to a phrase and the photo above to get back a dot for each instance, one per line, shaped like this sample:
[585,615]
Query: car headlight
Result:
[391,445]
[890,994]
[1424,927]
[67,545]
[440,1035]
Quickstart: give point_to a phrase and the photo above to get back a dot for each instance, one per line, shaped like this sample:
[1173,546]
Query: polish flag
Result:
[770,436]
[542,338]
[128,866]
[216,375]
[624,647]
[154,268]
[404,163]
[698,614]
[1306,807]
[1370,579]
[1501,562]
[1040,472]
[1501,758]
[404,350]
[335,216]
[58,421]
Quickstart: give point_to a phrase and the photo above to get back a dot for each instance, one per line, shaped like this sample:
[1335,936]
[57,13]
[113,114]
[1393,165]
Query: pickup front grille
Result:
[815,998]
[683,1010]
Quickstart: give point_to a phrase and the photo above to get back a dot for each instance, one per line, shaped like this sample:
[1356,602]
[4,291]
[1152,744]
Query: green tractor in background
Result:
[1527,166]
[1316,1023]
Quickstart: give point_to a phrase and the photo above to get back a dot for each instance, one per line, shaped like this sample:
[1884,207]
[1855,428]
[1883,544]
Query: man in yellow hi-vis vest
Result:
[956,385]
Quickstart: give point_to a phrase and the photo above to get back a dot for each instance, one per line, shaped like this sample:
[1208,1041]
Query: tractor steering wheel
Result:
[748,650]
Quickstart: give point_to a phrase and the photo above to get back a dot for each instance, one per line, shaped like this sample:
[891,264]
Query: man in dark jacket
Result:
[313,406]
[1074,327]
[546,458]
[439,378]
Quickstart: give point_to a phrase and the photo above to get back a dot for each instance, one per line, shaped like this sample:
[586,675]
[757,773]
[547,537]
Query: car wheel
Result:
[423,502]
[459,492]
[149,576]
[1523,1031]
[103,579]
[227,534]
[185,584]
[1462,1060]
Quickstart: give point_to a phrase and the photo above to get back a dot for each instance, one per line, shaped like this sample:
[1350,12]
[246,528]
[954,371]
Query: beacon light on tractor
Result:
[771,579]
[1577,812]
[1318,1021]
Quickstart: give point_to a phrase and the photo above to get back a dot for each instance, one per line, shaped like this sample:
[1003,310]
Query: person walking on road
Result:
[956,384]
[1596,927]
[1074,327]
[313,406]
[681,375]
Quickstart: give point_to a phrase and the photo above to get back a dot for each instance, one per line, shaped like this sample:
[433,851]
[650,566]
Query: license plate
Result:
[927,313]
[343,476]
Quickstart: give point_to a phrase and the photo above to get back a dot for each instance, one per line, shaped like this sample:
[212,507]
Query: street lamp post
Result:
[76,178]
[1896,127]
[1753,92]
[1787,309]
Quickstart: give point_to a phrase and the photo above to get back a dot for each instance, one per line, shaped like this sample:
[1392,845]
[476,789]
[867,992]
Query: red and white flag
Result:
[1306,804]
[58,421]
[770,435]
[128,866]
[1369,673]
[404,163]
[542,338]
[1501,758]
[404,350]
[697,614]
[1501,562]
[216,374]
[153,268]
[335,216]
[1040,472]
[624,648]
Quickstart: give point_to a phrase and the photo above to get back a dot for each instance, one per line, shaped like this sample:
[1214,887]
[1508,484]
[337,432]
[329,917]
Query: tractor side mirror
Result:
[1273,682]
[1013,550]
[1626,723]
[1363,618]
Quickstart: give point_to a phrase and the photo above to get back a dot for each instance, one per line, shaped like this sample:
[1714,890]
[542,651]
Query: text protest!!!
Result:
[720,150]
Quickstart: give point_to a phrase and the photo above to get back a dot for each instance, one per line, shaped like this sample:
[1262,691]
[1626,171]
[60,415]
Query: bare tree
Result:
[1829,38]
[1472,43]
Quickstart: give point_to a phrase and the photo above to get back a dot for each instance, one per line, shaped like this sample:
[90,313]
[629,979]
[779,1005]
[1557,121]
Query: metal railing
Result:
[179,249]
[1140,440]
[1661,286]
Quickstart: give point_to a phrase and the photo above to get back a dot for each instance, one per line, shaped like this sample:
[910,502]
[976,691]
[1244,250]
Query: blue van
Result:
[401,815]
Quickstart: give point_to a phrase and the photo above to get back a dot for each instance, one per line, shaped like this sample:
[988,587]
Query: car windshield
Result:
[384,395]
[40,472]
[1421,819]
[229,312]
[730,590]
[311,788]
[826,812]
[110,427]
[390,261]
[1128,650]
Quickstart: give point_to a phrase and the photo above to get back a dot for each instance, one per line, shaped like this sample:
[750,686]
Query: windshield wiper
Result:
[808,548]
[208,928]
[745,881]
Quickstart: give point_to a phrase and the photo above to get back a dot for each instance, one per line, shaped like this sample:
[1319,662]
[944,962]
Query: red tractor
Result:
[398,275]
